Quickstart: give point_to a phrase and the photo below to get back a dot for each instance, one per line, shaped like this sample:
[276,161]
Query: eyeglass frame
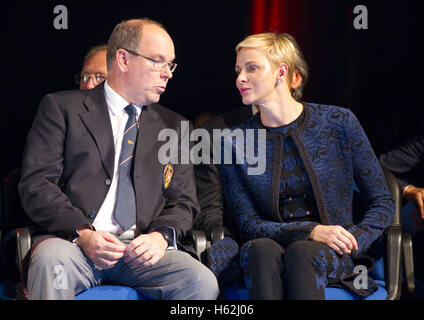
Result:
[171,65]
[79,77]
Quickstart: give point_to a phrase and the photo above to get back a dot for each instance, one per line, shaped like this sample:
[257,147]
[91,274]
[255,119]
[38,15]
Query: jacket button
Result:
[108,182]
[92,214]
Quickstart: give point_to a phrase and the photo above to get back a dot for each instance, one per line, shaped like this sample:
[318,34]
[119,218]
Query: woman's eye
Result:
[251,68]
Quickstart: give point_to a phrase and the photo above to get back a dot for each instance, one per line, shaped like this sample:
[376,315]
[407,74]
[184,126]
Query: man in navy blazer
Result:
[406,162]
[70,181]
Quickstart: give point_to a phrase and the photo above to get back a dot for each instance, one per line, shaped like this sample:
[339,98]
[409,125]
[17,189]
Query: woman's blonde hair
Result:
[277,48]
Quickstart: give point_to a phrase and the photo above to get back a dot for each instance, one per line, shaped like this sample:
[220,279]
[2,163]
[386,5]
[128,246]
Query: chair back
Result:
[12,217]
[13,214]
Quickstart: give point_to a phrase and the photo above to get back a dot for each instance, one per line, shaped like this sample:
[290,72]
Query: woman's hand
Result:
[336,237]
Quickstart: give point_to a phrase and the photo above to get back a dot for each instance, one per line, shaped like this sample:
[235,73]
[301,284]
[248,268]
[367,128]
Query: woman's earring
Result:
[278,82]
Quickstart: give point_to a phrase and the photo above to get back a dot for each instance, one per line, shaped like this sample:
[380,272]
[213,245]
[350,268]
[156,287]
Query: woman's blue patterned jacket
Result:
[337,155]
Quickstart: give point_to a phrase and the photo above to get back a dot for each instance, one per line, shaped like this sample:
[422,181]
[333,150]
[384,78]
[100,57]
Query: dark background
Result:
[377,72]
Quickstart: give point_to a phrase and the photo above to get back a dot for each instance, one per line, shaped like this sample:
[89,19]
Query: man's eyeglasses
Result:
[96,77]
[157,65]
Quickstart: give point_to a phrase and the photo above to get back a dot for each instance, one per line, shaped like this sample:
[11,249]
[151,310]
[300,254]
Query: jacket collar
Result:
[97,121]
[256,123]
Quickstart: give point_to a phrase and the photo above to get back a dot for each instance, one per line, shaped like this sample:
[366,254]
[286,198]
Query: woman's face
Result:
[256,78]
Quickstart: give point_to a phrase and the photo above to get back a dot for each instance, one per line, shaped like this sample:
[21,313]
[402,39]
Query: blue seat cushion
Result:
[236,292]
[377,273]
[109,292]
[240,292]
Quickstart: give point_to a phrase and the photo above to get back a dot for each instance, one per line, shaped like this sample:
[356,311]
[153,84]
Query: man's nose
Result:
[88,85]
[166,72]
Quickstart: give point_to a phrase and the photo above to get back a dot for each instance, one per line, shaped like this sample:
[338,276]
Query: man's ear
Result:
[122,59]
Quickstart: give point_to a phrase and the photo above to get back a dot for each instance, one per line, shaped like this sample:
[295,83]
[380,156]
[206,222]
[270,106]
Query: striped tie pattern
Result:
[125,207]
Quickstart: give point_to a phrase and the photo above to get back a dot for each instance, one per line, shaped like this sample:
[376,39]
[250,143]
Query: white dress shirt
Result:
[104,220]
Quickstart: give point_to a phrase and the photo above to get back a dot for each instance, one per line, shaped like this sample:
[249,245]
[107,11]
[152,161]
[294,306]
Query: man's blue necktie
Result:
[125,207]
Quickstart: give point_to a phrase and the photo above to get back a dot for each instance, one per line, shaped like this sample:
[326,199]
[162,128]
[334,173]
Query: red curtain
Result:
[269,16]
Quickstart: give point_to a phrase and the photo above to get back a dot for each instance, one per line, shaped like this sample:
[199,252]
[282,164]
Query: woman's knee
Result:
[302,251]
[264,248]
[262,252]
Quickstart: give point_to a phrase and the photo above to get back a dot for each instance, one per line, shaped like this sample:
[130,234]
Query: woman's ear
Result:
[284,70]
[282,74]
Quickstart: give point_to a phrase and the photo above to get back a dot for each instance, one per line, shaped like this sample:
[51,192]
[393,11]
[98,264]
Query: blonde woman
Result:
[296,219]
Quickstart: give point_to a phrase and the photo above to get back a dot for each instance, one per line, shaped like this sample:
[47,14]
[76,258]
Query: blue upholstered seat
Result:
[109,292]
[239,292]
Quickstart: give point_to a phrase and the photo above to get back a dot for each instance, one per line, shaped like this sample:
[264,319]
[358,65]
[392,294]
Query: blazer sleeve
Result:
[369,177]
[209,191]
[210,197]
[42,198]
[251,223]
[405,158]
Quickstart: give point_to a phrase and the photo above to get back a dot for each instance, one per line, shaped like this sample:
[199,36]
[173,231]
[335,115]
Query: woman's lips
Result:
[244,90]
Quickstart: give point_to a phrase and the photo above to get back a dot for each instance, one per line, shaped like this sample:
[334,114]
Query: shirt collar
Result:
[116,102]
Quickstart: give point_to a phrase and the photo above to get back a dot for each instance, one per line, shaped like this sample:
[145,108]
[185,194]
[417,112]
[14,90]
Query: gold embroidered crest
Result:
[168,172]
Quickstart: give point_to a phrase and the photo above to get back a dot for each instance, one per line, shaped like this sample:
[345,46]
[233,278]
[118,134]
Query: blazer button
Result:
[92,214]
[108,182]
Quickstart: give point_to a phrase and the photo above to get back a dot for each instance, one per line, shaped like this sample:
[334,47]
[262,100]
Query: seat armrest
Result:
[198,238]
[22,236]
[393,256]
[408,262]
[394,241]
[218,233]
[23,247]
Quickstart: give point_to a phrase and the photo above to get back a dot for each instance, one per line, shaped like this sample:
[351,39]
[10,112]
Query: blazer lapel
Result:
[97,122]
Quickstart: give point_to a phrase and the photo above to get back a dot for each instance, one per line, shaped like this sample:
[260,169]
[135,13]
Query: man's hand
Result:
[102,248]
[146,250]
[419,223]
[414,194]
[336,237]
